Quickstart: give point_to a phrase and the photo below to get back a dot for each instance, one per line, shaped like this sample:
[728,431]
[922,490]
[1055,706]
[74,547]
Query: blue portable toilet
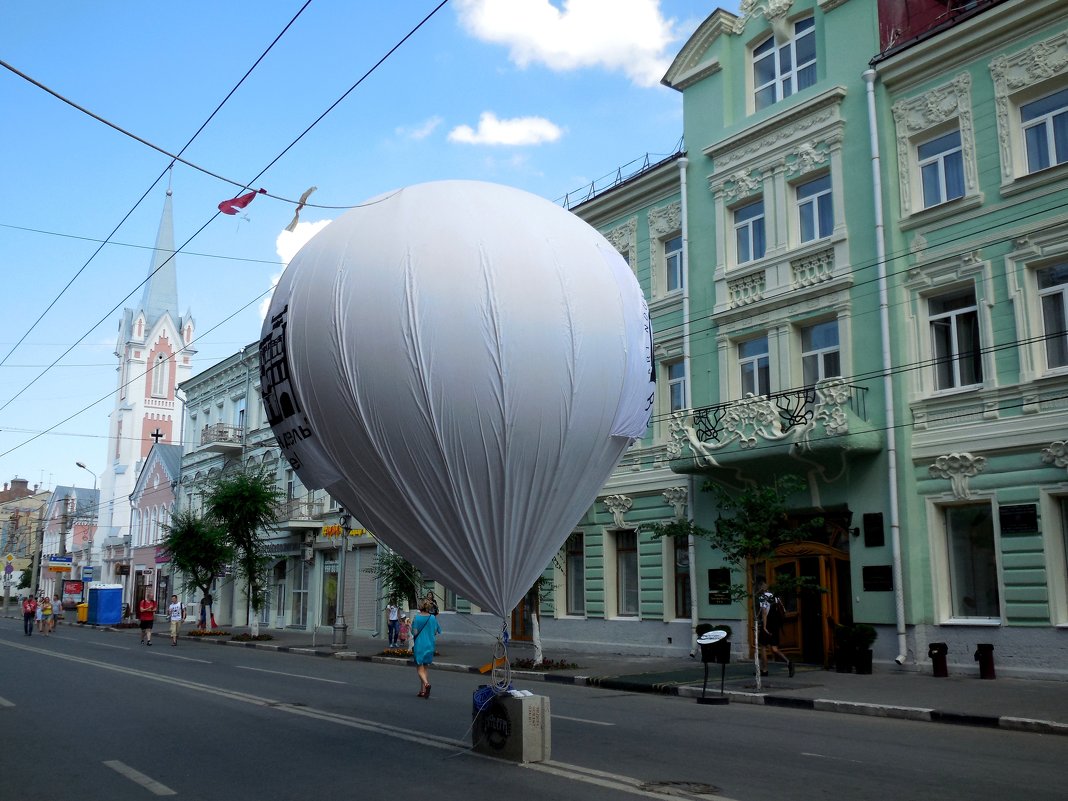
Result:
[105,604]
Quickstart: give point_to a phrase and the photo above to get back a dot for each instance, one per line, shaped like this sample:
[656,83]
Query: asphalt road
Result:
[93,715]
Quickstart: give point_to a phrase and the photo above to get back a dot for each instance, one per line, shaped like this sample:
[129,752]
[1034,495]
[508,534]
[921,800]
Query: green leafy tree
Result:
[198,547]
[246,504]
[400,579]
[752,524]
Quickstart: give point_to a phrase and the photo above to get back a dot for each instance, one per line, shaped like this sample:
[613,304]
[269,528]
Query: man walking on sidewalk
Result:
[146,616]
[176,613]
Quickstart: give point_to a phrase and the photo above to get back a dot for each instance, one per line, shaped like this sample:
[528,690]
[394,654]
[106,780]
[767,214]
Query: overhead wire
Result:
[145,193]
[180,249]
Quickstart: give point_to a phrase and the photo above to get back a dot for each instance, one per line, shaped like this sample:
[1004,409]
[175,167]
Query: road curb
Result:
[1005,722]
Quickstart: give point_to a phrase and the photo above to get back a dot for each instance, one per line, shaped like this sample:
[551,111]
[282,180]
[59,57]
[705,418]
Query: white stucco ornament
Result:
[461,365]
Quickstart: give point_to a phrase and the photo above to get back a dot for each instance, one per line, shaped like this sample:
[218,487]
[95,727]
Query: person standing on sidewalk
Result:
[425,629]
[46,615]
[393,623]
[175,612]
[772,618]
[206,613]
[146,616]
[38,614]
[29,612]
[57,609]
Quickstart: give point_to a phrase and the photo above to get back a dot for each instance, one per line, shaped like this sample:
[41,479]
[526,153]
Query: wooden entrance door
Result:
[812,613]
[522,627]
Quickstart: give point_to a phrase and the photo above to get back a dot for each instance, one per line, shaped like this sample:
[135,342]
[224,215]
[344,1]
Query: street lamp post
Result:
[340,628]
[92,527]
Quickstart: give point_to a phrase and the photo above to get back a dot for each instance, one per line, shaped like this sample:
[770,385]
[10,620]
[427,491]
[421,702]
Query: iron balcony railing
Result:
[220,432]
[794,408]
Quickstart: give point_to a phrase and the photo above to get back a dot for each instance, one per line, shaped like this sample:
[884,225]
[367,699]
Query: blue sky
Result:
[544,96]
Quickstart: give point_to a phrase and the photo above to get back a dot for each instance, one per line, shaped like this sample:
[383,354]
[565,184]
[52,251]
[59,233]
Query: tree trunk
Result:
[254,614]
[535,635]
[756,649]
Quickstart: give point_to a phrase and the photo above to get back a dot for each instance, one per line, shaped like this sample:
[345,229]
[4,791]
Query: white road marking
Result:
[584,720]
[169,655]
[137,777]
[294,675]
[5,702]
[836,758]
[618,782]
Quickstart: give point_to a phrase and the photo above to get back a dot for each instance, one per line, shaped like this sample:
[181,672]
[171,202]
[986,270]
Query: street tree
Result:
[199,547]
[400,579]
[246,504]
[753,523]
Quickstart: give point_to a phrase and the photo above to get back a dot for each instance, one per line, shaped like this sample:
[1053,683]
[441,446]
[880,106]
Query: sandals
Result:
[425,692]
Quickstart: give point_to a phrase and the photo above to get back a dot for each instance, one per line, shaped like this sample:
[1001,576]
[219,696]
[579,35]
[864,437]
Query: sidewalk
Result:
[892,692]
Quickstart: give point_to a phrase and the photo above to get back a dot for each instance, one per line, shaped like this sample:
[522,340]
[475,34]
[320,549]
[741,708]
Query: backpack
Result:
[776,613]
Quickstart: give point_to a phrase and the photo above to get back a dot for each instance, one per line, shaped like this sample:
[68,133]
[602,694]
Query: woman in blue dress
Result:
[425,629]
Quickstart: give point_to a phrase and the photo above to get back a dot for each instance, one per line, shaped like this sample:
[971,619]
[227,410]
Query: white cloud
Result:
[286,246]
[628,36]
[420,131]
[516,131]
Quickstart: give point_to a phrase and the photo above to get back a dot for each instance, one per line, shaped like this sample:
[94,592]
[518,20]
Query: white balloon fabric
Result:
[461,364]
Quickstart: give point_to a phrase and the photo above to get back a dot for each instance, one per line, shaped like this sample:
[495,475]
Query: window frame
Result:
[1043,293]
[1046,121]
[575,580]
[954,357]
[628,578]
[674,265]
[940,159]
[815,202]
[750,225]
[783,83]
[949,585]
[819,354]
[758,369]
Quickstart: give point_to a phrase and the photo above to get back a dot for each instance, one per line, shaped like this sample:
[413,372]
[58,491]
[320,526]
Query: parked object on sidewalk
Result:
[864,636]
[984,655]
[715,644]
[937,652]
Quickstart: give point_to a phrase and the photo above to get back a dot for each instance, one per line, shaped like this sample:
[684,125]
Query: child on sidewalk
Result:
[405,632]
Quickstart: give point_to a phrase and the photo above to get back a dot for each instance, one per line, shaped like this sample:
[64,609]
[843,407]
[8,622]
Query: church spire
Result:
[161,291]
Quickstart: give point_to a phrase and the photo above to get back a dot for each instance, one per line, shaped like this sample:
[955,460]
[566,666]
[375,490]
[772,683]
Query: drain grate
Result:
[680,788]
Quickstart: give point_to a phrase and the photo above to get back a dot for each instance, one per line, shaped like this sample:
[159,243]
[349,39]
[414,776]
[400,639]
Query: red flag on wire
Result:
[235,204]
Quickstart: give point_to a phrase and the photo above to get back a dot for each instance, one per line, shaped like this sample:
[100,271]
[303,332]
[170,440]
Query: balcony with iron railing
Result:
[222,438]
[300,513]
[813,425]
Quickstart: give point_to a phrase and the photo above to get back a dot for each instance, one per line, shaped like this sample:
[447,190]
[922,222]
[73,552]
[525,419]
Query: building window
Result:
[682,576]
[954,321]
[941,162]
[815,212]
[973,575]
[1045,129]
[1053,291]
[575,565]
[159,377]
[755,367]
[782,68]
[676,381]
[627,573]
[673,263]
[819,352]
[749,231]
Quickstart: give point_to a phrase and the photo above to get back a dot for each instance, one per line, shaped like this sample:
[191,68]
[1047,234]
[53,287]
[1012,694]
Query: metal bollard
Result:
[984,655]
[937,652]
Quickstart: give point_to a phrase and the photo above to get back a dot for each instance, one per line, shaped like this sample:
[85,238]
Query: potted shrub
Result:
[844,652]
[863,637]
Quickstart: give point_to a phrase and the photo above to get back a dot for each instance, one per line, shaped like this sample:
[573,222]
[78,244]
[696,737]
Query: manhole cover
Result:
[679,788]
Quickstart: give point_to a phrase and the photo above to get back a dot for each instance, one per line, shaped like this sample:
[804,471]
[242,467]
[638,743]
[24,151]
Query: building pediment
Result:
[694,62]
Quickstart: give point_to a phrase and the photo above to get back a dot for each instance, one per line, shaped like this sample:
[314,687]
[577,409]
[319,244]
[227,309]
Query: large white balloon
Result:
[461,365]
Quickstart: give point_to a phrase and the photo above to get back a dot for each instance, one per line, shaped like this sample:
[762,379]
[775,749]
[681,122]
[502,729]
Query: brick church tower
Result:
[154,353]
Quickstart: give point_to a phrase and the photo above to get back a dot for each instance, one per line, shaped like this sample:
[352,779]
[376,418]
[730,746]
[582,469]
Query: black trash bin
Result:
[984,655]
[937,652]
